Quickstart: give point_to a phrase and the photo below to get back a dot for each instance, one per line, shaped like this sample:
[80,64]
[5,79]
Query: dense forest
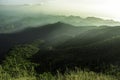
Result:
[61,51]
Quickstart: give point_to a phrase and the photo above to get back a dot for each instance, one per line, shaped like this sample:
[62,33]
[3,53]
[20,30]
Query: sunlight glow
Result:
[99,8]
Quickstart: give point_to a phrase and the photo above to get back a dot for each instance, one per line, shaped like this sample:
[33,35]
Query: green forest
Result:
[30,62]
[36,45]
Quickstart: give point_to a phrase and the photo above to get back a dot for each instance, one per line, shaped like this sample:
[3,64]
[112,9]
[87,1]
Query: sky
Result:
[99,8]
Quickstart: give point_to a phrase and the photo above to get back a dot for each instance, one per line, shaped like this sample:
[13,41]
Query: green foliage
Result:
[46,76]
[4,75]
[113,70]
[17,62]
[38,42]
[17,66]
[71,75]
[85,75]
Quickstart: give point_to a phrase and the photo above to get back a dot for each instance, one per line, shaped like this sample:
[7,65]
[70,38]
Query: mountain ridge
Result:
[20,23]
[49,33]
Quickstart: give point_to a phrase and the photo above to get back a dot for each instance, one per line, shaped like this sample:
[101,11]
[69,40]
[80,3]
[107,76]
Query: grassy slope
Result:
[17,66]
[72,75]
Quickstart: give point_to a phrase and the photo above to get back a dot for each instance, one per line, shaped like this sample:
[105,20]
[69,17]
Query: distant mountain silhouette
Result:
[66,36]
[89,21]
[51,33]
[102,44]
[72,46]
[13,24]
[92,49]
[93,36]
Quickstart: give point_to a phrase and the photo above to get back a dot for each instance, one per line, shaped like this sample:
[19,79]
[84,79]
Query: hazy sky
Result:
[99,8]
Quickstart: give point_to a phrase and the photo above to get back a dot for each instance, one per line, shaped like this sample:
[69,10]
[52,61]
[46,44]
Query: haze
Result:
[107,9]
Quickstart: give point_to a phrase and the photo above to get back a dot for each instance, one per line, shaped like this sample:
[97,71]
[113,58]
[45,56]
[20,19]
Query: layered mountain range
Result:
[15,23]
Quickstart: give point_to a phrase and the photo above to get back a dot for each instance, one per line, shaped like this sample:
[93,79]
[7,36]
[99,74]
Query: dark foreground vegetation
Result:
[19,65]
[61,52]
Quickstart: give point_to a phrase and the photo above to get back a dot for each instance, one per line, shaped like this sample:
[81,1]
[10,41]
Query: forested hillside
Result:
[61,52]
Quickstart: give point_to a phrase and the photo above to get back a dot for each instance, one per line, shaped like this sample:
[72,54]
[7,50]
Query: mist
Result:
[19,17]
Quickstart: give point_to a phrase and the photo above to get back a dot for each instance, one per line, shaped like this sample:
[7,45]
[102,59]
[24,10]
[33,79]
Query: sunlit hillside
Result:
[59,40]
